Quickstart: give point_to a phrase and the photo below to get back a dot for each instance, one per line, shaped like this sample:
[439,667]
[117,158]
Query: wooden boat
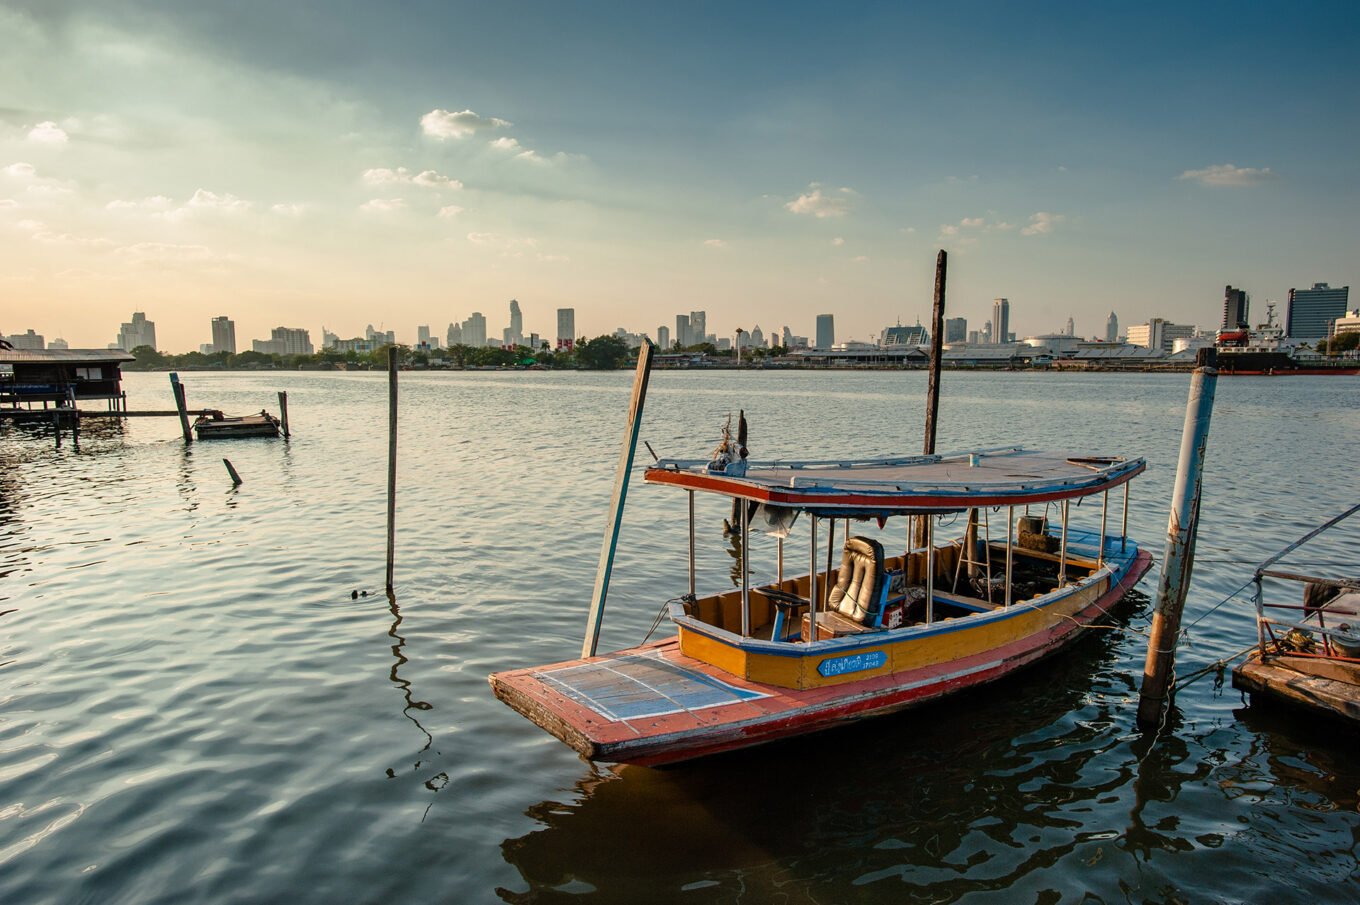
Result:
[1307,653]
[881,632]
[216,426]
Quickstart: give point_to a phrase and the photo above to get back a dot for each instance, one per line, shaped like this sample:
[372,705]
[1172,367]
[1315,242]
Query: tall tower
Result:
[516,337]
[1001,321]
[663,338]
[224,334]
[1235,303]
[682,331]
[474,330]
[826,331]
[1111,328]
[1071,327]
[566,328]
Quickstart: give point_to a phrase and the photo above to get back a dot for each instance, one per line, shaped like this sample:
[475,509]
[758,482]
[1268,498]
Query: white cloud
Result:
[443,125]
[8,204]
[821,204]
[1228,175]
[204,200]
[715,243]
[947,229]
[1042,223]
[401,176]
[512,146]
[860,259]
[21,171]
[149,203]
[382,205]
[48,133]
[973,221]
[288,209]
[448,212]
[837,242]
[514,247]
[169,253]
[506,143]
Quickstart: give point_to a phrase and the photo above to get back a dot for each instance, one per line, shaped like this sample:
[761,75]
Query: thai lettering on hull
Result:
[839,666]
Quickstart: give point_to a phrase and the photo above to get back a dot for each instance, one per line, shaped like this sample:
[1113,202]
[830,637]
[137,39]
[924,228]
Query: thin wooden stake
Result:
[283,413]
[936,360]
[391,462]
[231,470]
[1179,558]
[178,389]
[615,522]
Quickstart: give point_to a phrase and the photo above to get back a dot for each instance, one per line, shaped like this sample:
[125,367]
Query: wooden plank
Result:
[1284,678]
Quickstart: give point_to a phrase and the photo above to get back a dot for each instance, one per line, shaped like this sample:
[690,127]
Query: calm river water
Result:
[195,710]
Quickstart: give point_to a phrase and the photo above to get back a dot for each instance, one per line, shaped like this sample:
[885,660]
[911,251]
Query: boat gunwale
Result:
[1114,568]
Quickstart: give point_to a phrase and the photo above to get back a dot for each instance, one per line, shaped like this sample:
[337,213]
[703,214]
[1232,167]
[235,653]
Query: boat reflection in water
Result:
[985,790]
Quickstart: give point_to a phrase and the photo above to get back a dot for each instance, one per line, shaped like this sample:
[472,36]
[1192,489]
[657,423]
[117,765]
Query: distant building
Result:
[986,335]
[899,337]
[1158,333]
[826,331]
[1001,320]
[1071,327]
[137,332]
[358,345]
[285,341]
[757,337]
[30,341]
[1312,311]
[698,328]
[380,337]
[58,344]
[566,328]
[1348,324]
[1235,304]
[955,329]
[223,334]
[682,331]
[423,339]
[1111,328]
[663,338]
[474,330]
[328,339]
[974,337]
[515,335]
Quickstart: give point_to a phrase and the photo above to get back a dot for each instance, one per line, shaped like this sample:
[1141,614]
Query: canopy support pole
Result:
[812,583]
[1010,555]
[1104,510]
[1124,531]
[1062,556]
[611,530]
[691,543]
[930,569]
[745,569]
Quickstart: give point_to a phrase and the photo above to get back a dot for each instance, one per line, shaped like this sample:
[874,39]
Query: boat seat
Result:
[862,586]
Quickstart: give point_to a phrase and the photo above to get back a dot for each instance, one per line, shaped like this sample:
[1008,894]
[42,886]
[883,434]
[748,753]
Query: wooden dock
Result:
[1328,686]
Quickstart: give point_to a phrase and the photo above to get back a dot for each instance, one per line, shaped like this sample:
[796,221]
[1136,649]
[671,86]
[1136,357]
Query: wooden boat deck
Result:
[1322,685]
[221,428]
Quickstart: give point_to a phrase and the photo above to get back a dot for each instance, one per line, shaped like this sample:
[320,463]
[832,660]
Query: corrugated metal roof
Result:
[63,356]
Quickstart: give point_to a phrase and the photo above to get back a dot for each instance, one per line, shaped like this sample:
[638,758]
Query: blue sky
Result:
[344,163]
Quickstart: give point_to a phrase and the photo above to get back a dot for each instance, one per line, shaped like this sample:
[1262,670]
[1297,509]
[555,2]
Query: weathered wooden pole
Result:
[391,462]
[1179,558]
[180,405]
[231,470]
[936,357]
[283,413]
[615,522]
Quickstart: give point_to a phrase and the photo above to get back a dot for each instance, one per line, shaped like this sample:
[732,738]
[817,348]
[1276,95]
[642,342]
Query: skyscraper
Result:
[455,335]
[285,341]
[137,332]
[1234,309]
[663,338]
[1311,311]
[826,331]
[516,335]
[682,331]
[566,328]
[423,337]
[1111,328]
[955,329]
[1071,327]
[224,334]
[474,330]
[1001,321]
[698,327]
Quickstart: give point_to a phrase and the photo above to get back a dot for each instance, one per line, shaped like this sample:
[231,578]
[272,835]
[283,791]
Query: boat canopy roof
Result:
[1008,476]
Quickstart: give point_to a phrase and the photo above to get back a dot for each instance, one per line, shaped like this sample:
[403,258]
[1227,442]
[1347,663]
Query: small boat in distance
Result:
[881,631]
[216,426]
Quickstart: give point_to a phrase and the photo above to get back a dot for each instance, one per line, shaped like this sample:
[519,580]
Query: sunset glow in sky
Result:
[347,163]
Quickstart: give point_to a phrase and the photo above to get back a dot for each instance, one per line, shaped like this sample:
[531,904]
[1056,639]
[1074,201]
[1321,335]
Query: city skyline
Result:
[207,160]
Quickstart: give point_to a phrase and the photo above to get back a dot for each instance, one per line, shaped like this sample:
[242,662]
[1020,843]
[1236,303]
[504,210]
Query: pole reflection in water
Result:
[412,705]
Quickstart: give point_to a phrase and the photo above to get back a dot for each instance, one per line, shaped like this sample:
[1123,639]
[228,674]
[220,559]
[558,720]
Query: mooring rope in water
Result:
[1217,666]
[661,614]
